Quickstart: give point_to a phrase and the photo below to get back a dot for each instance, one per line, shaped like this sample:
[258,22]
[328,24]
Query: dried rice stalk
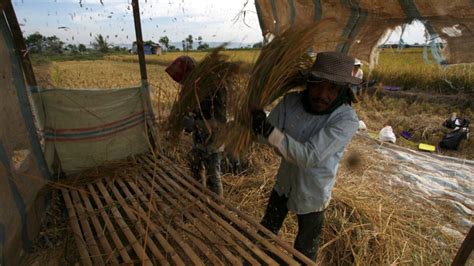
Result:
[277,70]
[213,72]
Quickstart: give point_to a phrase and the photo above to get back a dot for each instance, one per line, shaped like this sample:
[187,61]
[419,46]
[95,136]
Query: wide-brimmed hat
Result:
[334,66]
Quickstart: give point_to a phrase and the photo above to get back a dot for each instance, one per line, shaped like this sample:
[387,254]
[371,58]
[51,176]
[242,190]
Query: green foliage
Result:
[38,43]
[82,48]
[201,45]
[187,43]
[257,45]
[165,42]
[100,44]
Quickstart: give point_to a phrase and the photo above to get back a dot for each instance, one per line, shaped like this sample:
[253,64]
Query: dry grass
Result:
[408,69]
[369,222]
[424,120]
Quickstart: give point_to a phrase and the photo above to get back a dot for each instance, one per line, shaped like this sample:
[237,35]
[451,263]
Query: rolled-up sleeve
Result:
[319,147]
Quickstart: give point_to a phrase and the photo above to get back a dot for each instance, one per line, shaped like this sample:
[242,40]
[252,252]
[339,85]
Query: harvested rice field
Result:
[385,210]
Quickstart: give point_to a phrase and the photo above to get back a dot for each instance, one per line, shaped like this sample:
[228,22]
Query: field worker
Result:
[202,123]
[357,70]
[309,130]
[358,73]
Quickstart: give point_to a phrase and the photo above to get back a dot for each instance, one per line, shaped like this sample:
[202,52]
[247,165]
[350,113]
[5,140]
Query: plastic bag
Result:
[386,134]
[452,140]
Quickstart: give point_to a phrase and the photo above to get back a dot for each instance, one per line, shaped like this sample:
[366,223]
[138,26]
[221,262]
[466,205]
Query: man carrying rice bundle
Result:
[309,130]
[203,123]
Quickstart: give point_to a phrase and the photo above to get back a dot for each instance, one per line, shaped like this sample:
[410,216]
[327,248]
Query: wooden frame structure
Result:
[160,215]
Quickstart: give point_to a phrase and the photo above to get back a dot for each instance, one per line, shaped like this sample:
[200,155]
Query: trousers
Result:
[309,225]
[210,162]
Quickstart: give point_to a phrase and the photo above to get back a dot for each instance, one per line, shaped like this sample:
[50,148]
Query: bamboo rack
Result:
[159,215]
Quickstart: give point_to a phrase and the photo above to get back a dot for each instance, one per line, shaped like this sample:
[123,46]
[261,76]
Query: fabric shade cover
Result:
[356,27]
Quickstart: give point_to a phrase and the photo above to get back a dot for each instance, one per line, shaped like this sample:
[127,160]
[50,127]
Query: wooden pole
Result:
[139,37]
[465,250]
[149,115]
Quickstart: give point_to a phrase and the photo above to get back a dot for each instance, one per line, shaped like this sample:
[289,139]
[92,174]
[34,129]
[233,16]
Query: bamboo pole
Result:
[134,219]
[206,233]
[163,242]
[212,226]
[99,229]
[80,243]
[139,250]
[90,240]
[167,164]
[166,226]
[109,225]
[236,221]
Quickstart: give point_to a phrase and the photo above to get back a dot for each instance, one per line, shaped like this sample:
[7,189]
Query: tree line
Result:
[38,43]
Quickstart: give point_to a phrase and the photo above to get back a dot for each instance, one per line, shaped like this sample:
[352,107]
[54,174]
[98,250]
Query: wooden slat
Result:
[239,223]
[256,250]
[81,244]
[139,251]
[207,251]
[90,240]
[110,258]
[143,232]
[162,240]
[230,241]
[110,227]
[167,164]
[161,215]
[164,224]
[200,245]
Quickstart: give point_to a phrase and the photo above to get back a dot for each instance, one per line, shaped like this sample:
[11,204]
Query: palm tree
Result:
[100,44]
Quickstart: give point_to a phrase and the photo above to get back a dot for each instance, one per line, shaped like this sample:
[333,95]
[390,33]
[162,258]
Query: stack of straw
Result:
[212,73]
[278,69]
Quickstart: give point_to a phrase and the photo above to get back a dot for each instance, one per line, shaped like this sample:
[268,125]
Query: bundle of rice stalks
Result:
[212,73]
[278,69]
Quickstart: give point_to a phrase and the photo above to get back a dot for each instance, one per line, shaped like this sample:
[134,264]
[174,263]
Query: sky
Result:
[75,21]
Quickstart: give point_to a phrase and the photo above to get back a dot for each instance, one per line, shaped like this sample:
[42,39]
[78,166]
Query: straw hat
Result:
[334,66]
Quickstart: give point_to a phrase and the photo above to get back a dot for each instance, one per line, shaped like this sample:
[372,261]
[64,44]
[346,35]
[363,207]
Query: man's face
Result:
[322,94]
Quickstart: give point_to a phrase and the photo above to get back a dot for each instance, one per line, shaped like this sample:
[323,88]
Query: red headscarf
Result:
[180,67]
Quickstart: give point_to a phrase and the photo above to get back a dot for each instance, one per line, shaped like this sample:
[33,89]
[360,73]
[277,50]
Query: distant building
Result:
[148,47]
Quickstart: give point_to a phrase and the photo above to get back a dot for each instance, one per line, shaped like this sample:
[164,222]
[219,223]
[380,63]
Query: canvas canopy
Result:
[23,171]
[355,27]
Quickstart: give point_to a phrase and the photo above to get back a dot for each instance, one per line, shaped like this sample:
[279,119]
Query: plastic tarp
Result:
[85,128]
[356,26]
[436,179]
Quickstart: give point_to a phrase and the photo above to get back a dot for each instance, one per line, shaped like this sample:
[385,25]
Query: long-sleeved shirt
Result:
[311,147]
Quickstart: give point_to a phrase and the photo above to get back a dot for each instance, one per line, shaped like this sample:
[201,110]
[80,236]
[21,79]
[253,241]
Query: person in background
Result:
[309,130]
[357,70]
[203,124]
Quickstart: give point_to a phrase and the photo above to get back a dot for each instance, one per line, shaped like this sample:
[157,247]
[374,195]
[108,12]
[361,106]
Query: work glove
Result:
[260,124]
